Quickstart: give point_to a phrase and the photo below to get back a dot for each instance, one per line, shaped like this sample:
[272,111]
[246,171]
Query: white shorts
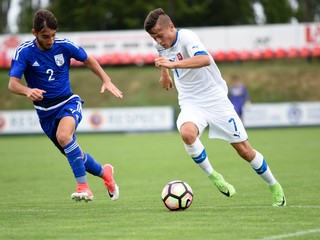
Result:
[223,121]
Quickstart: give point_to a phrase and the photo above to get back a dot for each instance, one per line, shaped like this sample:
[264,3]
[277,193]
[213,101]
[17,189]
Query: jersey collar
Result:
[177,34]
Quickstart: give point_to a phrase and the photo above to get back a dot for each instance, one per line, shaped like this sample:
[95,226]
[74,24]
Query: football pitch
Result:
[36,183]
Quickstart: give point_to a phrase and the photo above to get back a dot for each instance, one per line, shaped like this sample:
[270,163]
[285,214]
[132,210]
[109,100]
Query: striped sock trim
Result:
[263,168]
[69,148]
[201,157]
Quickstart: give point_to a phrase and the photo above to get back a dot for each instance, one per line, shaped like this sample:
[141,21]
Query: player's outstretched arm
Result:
[34,94]
[107,84]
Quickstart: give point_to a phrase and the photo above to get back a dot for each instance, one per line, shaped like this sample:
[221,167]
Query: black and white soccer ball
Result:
[177,195]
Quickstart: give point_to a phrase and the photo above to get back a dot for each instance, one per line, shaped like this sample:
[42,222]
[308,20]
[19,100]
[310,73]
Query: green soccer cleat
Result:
[278,198]
[224,187]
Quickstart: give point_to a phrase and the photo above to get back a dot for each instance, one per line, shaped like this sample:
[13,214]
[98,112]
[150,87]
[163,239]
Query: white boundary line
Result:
[301,233]
[151,207]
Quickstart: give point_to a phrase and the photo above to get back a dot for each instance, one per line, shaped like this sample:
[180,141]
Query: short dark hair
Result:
[152,18]
[44,19]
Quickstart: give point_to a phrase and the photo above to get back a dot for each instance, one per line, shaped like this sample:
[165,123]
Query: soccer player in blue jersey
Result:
[202,95]
[45,64]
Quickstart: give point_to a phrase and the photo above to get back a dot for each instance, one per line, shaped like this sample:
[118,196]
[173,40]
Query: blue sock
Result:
[73,153]
[92,166]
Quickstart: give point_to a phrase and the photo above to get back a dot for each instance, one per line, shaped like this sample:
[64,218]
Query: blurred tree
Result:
[4,7]
[277,11]
[85,15]
[192,13]
[236,12]
[309,11]
[26,16]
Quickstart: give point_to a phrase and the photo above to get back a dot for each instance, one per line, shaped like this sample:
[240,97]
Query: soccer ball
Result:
[177,195]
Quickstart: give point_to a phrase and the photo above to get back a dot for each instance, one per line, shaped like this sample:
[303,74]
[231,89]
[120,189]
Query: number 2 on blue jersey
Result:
[50,72]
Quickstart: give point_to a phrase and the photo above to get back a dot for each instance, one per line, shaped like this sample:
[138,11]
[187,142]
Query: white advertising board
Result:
[152,119]
[135,119]
[128,119]
[282,114]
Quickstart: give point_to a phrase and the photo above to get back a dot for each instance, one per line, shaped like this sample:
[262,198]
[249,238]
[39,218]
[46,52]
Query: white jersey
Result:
[202,87]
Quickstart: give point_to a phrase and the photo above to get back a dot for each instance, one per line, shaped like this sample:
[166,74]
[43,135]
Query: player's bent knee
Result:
[188,138]
[188,132]
[63,139]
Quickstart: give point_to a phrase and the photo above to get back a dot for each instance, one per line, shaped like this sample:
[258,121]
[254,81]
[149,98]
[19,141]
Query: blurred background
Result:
[101,15]
[273,46]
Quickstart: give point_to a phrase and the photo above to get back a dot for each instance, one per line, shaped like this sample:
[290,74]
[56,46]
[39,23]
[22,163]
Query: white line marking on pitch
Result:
[301,233]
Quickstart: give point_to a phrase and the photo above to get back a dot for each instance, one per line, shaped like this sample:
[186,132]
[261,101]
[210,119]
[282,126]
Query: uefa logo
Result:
[96,119]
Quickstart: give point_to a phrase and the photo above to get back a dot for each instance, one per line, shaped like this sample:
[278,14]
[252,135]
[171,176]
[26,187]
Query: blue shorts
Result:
[49,120]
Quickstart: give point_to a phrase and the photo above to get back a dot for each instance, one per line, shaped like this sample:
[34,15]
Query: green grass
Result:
[36,183]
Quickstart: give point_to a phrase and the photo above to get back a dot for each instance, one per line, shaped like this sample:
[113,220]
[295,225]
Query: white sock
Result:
[261,167]
[198,153]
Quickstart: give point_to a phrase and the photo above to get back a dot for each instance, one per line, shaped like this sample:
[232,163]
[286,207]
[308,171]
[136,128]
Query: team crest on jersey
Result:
[179,56]
[59,59]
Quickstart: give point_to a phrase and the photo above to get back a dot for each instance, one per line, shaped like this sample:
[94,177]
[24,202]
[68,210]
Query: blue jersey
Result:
[47,69]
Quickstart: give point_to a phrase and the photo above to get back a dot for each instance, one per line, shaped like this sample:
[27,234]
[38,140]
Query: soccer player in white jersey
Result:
[45,64]
[203,99]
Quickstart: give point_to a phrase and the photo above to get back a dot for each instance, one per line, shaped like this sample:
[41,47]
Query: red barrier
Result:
[316,52]
[232,55]
[293,53]
[305,52]
[268,53]
[244,55]
[220,56]
[280,53]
